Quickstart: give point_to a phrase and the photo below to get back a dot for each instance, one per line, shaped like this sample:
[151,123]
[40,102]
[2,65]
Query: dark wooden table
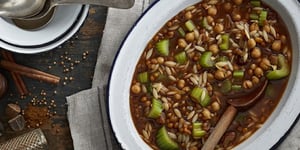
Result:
[63,62]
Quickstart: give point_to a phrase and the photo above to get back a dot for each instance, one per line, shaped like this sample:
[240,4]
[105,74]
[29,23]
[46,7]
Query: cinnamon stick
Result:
[16,77]
[29,72]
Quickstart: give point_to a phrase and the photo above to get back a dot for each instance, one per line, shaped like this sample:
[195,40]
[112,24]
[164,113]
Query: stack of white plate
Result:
[65,22]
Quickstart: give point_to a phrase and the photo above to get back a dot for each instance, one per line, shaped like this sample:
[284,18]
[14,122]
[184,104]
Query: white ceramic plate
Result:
[66,21]
[145,28]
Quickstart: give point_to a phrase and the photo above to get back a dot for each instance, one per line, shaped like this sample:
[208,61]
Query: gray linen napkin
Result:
[87,112]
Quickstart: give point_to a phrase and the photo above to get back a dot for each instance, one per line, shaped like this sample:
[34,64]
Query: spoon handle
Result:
[220,128]
[109,3]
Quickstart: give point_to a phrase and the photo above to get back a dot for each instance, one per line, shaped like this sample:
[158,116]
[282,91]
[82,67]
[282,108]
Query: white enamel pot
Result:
[150,22]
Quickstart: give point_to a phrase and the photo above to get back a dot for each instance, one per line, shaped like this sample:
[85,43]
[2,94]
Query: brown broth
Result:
[175,97]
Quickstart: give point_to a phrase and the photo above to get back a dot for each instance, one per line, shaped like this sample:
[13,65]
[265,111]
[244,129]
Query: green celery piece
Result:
[198,133]
[181,32]
[255,3]
[226,86]
[197,130]
[143,77]
[206,100]
[262,17]
[197,125]
[190,25]
[181,58]
[205,24]
[236,87]
[282,72]
[254,16]
[225,42]
[164,142]
[222,58]
[163,47]
[238,74]
[205,60]
[196,94]
[156,109]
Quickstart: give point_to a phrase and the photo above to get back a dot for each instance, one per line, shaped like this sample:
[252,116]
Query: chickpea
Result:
[253,66]
[218,28]
[254,27]
[188,15]
[247,84]
[258,72]
[215,106]
[212,11]
[236,17]
[255,80]
[186,89]
[148,103]
[209,19]
[206,114]
[251,43]
[283,39]
[276,46]
[258,40]
[144,99]
[250,72]
[160,60]
[214,48]
[238,2]
[265,64]
[227,6]
[177,96]
[171,34]
[136,89]
[220,75]
[170,125]
[181,83]
[190,37]
[182,43]
[256,52]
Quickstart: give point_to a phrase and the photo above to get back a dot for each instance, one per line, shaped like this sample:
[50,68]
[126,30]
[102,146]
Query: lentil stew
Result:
[210,50]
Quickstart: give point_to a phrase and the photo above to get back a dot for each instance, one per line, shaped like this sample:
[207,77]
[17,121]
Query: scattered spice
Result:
[36,116]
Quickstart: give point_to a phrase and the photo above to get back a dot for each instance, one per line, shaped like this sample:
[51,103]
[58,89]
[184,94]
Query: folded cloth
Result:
[87,111]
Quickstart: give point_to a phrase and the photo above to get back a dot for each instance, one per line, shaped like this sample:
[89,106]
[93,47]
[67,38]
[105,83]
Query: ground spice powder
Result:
[36,116]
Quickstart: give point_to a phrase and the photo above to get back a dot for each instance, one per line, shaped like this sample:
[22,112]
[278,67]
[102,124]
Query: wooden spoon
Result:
[229,114]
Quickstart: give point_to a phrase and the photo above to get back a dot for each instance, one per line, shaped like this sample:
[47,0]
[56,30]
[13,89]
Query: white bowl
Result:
[120,80]
[66,20]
